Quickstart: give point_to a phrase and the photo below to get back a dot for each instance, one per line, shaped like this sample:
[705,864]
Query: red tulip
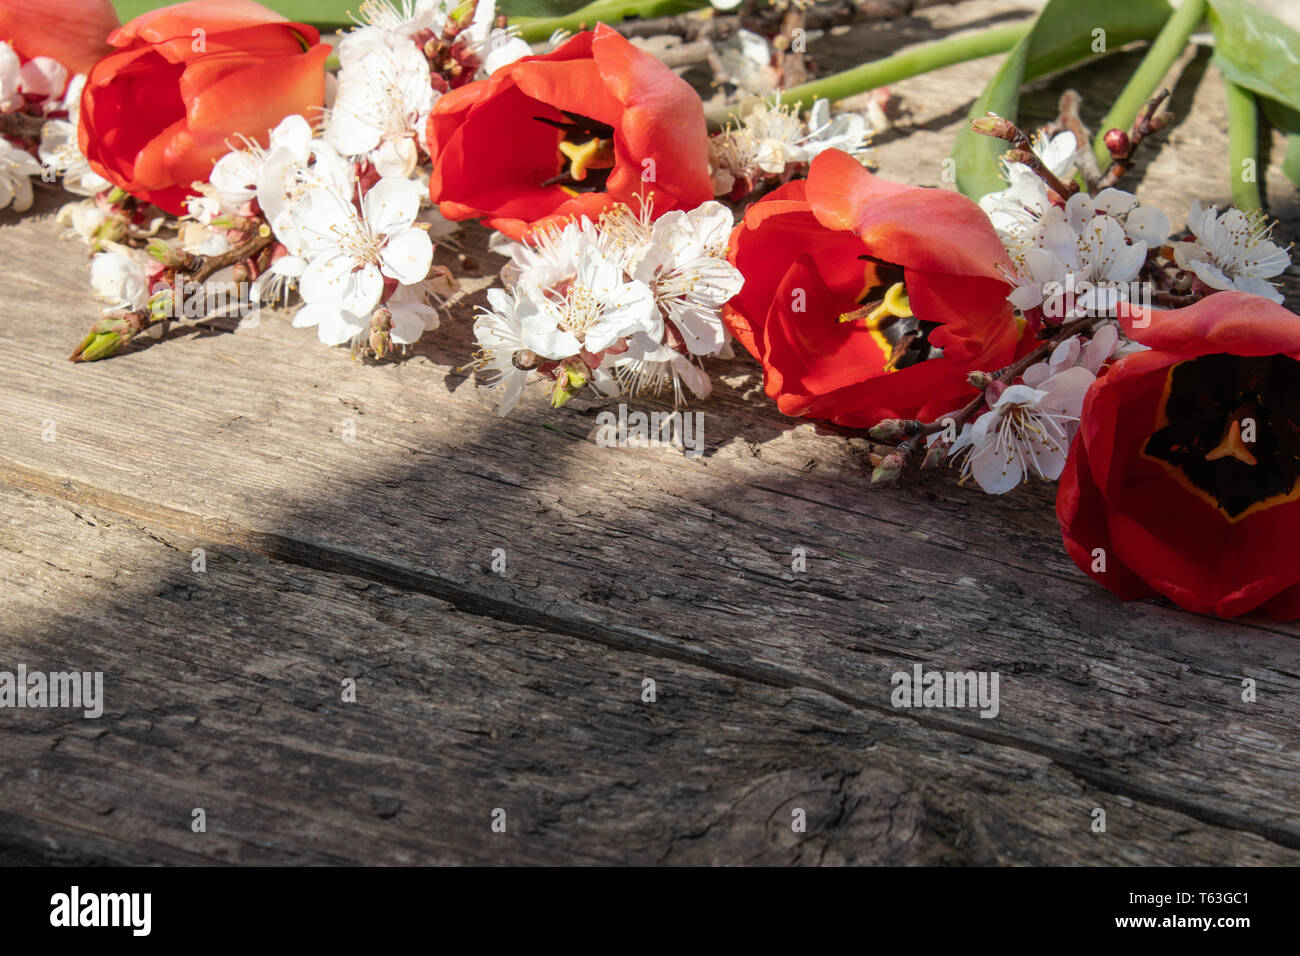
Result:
[185,83]
[1185,477]
[853,285]
[594,122]
[74,32]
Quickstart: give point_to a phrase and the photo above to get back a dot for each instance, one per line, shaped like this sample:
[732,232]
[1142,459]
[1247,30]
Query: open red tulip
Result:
[185,83]
[866,299]
[1184,480]
[74,32]
[594,122]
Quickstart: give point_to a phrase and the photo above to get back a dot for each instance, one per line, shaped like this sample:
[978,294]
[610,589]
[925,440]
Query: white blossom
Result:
[83,218]
[61,151]
[118,277]
[500,335]
[772,138]
[1027,431]
[353,253]
[11,80]
[1232,251]
[17,166]
[45,79]
[383,104]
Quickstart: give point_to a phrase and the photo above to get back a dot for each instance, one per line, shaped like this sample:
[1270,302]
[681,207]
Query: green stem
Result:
[536,29]
[1243,144]
[1150,74]
[899,66]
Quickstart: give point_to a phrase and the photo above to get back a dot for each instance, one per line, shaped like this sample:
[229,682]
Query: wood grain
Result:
[331,558]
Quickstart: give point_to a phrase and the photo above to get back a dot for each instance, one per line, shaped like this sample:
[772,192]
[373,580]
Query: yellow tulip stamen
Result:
[593,154]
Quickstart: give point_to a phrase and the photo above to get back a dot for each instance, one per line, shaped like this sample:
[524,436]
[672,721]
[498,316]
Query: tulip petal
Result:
[74,32]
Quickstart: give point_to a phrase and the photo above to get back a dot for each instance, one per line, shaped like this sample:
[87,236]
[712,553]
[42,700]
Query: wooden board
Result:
[371,559]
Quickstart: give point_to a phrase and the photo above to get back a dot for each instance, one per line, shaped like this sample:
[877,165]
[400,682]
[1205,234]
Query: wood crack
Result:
[328,558]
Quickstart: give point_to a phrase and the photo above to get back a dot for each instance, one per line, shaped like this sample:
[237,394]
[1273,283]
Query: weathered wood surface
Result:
[329,559]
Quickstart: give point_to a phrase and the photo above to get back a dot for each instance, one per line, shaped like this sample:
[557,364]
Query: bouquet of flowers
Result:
[1036,322]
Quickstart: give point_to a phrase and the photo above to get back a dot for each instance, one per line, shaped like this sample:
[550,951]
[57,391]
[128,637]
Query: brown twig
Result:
[211,265]
[1146,123]
[1069,119]
[1022,151]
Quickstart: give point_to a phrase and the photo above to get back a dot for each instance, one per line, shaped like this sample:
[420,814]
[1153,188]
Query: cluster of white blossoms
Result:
[345,196]
[1078,259]
[47,101]
[1081,258]
[1232,251]
[773,139]
[627,305]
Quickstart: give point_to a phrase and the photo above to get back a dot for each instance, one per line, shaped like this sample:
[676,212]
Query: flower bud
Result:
[568,383]
[980,380]
[170,256]
[889,429]
[935,454]
[894,429]
[889,470]
[105,338]
[1117,142]
[994,125]
[381,325]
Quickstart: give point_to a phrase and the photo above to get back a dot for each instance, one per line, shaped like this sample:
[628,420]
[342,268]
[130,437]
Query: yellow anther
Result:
[894,305]
[593,154]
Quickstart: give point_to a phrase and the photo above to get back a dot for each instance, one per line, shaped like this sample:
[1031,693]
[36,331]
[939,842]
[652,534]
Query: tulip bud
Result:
[1117,142]
[889,470]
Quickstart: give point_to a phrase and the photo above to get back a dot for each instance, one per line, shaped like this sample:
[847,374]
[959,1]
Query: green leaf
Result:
[1256,50]
[321,13]
[535,29]
[1065,34]
[1261,53]
[539,8]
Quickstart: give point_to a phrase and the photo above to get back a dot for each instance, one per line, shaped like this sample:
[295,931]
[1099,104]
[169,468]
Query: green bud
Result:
[994,125]
[889,470]
[935,455]
[97,345]
[569,382]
